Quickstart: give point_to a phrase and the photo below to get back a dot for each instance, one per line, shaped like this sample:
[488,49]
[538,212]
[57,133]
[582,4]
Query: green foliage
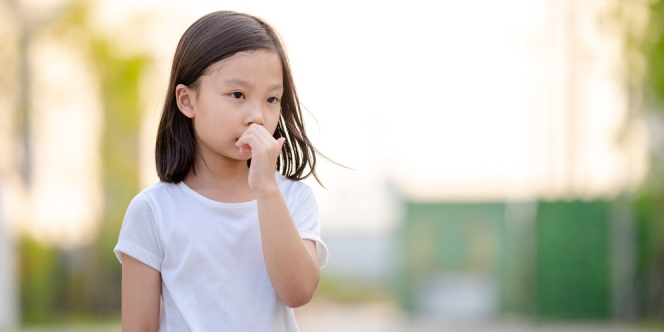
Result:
[645,79]
[120,79]
[653,49]
[84,284]
[38,270]
[649,200]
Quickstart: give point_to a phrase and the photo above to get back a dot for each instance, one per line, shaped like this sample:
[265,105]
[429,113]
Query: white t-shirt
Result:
[210,256]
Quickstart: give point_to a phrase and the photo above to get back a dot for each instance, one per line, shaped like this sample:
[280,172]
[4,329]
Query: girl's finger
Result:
[280,142]
[262,135]
[251,140]
[265,133]
[245,148]
[250,131]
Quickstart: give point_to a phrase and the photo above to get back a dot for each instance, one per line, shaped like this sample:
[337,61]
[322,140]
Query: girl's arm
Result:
[141,291]
[291,262]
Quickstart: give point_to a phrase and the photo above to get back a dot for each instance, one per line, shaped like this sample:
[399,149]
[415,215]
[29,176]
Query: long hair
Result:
[210,39]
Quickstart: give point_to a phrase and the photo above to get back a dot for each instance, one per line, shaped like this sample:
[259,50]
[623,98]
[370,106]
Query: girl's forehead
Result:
[258,66]
[245,59]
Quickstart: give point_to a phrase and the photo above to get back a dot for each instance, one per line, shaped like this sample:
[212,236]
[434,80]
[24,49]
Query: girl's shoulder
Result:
[292,189]
[154,192]
[157,189]
[156,199]
[286,183]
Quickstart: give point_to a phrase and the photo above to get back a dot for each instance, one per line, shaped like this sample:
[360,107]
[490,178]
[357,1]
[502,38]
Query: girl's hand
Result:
[264,153]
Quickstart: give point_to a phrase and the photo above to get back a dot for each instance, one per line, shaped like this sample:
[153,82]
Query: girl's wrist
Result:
[266,191]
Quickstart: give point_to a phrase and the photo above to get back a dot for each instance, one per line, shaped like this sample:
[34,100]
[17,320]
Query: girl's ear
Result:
[184,97]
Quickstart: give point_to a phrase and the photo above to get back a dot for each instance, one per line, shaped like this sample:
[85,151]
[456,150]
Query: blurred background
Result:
[508,157]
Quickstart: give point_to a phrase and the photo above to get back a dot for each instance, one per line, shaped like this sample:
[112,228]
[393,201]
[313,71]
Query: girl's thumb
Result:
[281,141]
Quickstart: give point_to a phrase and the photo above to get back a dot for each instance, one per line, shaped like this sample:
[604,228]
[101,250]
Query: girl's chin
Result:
[244,156]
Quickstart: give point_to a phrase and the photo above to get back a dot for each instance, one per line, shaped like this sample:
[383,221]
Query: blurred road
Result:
[383,317]
[115,327]
[386,317]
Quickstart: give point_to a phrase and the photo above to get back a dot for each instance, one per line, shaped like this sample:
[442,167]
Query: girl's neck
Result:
[220,179]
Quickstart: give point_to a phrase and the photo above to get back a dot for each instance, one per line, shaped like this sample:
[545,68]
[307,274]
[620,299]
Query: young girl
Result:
[229,239]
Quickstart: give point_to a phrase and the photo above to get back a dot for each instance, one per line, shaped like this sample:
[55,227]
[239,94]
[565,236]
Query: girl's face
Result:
[241,90]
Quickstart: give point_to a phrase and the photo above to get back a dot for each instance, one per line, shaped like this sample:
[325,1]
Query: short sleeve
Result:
[305,217]
[139,237]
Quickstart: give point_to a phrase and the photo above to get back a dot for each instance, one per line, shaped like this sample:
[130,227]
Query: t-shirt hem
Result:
[137,252]
[321,248]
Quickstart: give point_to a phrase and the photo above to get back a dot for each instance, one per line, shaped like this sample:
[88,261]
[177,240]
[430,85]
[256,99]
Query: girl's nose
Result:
[254,115]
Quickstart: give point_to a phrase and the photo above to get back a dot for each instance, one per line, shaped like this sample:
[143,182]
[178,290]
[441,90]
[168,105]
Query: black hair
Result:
[212,38]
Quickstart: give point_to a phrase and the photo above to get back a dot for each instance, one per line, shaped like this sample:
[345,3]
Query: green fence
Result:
[551,261]
[573,260]
[442,238]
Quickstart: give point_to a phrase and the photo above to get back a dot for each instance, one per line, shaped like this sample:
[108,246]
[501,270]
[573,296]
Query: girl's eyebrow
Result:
[243,83]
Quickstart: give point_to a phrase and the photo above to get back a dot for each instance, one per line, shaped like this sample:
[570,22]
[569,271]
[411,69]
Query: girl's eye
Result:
[273,100]
[237,95]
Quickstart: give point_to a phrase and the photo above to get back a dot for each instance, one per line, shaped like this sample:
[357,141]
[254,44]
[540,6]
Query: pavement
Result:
[386,317]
